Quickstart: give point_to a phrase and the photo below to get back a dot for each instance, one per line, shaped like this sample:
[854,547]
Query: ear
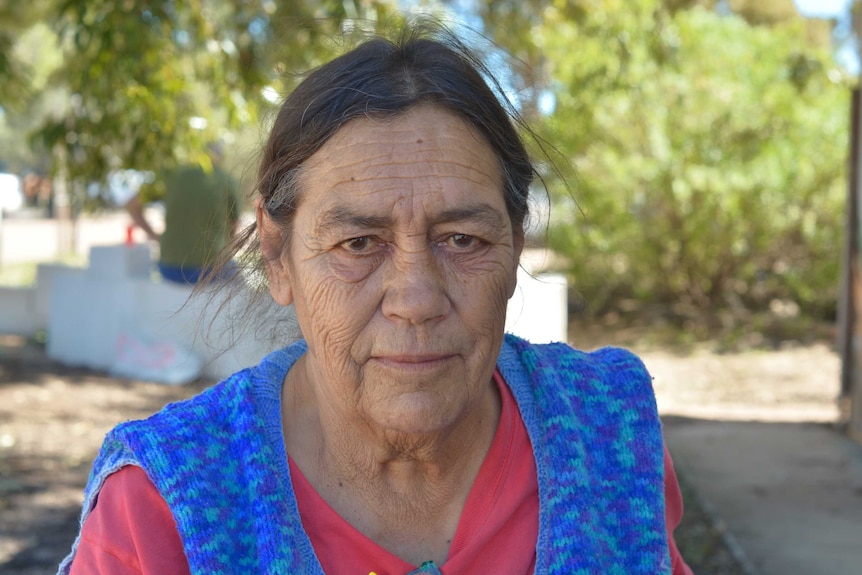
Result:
[272,249]
[518,246]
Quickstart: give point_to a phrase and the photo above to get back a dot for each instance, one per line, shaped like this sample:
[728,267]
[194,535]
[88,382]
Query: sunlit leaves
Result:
[150,82]
[711,156]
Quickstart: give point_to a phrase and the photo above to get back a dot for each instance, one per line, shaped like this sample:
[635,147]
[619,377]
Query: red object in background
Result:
[129,231]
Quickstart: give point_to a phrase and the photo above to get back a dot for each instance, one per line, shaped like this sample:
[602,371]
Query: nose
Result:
[416,288]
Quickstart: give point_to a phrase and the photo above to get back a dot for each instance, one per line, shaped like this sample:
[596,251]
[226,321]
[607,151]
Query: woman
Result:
[405,433]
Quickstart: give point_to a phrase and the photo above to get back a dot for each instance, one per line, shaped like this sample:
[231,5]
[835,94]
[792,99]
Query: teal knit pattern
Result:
[597,441]
[219,461]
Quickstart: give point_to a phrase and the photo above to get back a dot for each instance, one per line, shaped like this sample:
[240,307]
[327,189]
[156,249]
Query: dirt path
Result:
[790,381]
[53,419]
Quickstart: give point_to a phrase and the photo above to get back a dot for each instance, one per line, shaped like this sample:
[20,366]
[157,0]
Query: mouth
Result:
[413,360]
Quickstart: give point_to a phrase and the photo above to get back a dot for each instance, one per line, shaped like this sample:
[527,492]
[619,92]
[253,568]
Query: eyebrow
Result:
[343,217]
[481,214]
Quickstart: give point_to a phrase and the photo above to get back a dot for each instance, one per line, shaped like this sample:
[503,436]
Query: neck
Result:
[395,488]
[355,449]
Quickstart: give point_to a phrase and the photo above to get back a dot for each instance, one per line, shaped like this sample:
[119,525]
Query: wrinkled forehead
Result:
[405,137]
[425,150]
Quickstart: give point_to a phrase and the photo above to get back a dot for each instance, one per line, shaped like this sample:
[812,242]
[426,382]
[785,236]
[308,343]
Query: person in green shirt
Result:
[201,213]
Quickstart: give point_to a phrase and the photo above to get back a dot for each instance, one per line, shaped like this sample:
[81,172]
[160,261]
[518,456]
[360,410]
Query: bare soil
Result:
[53,419]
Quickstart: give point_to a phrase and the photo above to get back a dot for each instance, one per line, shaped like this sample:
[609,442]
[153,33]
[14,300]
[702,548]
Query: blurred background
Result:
[699,194]
[697,150]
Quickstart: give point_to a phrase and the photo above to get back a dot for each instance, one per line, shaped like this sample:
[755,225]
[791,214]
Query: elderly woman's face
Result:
[400,264]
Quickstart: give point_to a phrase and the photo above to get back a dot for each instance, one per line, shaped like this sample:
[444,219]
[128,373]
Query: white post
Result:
[1,238]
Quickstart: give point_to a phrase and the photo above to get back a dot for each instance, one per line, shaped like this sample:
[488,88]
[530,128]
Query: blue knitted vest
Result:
[219,461]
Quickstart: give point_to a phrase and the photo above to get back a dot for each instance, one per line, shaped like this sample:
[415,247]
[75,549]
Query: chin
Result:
[417,418]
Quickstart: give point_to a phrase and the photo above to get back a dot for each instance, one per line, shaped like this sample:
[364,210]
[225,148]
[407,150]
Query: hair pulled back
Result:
[382,78]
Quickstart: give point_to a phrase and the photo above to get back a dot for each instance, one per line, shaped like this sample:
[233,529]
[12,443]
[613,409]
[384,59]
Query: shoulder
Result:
[184,172]
[561,363]
[552,381]
[130,530]
[250,395]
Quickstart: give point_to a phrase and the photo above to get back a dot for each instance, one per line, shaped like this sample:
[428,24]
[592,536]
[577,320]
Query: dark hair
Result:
[383,78]
[379,78]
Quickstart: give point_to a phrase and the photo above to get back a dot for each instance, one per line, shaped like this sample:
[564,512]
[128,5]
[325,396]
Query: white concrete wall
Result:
[538,310]
[92,312]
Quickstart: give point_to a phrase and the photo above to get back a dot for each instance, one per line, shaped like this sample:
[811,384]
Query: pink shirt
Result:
[496,532]
[131,530]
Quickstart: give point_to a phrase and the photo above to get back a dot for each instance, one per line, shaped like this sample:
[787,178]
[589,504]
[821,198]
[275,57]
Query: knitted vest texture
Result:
[219,461]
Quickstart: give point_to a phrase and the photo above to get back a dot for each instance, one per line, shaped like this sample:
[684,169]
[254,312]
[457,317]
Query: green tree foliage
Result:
[150,82]
[710,156]
[765,11]
[27,98]
[709,149]
[15,71]
[28,56]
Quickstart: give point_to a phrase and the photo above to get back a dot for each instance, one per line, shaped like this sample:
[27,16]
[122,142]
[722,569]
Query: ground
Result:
[53,418]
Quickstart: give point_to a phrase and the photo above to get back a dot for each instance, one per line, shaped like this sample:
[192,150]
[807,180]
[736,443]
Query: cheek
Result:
[354,269]
[493,269]
[331,313]
[481,292]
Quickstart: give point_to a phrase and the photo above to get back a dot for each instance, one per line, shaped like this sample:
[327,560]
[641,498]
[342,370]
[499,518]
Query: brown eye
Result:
[357,244]
[461,241]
